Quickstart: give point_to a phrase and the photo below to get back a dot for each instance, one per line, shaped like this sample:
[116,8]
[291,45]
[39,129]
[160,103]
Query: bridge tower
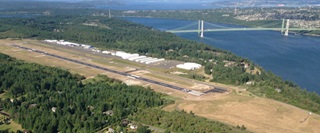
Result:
[109,13]
[285,31]
[201,25]
[282,28]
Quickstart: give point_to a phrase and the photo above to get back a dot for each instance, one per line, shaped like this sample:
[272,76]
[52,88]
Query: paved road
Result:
[166,64]
[106,69]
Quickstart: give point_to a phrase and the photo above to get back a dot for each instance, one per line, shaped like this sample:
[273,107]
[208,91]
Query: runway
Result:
[106,69]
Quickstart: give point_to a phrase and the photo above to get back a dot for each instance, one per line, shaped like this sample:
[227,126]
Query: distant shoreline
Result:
[305,34]
[308,34]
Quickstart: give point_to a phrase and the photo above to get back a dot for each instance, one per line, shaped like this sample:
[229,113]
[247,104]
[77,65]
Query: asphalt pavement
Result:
[106,69]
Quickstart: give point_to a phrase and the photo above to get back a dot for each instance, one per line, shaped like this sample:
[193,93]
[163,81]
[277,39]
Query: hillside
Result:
[121,35]
[47,99]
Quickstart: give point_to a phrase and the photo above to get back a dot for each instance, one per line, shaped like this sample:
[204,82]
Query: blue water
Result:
[294,58]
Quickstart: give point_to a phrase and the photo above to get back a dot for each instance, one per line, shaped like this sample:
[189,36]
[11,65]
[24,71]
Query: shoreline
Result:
[294,32]
[315,35]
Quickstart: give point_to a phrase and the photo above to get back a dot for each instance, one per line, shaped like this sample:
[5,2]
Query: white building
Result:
[140,59]
[106,52]
[62,42]
[146,59]
[54,109]
[128,56]
[86,46]
[136,58]
[51,41]
[189,66]
[154,61]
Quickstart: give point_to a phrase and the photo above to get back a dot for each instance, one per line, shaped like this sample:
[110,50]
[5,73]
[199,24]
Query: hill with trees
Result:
[118,34]
[47,99]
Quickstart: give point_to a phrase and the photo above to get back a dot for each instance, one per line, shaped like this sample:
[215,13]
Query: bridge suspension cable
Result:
[189,25]
[269,25]
[284,29]
[215,25]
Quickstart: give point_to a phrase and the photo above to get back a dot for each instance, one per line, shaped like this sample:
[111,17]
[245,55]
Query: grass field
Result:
[237,107]
[257,114]
[1,95]
[168,79]
[13,127]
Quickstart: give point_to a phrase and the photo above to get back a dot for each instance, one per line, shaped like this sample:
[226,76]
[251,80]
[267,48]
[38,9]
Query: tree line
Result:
[183,122]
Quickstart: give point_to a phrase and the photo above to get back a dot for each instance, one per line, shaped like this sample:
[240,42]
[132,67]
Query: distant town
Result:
[300,17]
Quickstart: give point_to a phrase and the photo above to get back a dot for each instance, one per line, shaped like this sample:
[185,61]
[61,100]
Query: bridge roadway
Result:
[110,70]
[240,29]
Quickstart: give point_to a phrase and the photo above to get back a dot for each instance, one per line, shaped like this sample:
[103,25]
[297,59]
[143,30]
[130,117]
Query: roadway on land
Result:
[106,69]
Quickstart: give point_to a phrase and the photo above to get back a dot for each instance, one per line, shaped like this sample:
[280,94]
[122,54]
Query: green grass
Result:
[3,95]
[93,80]
[170,98]
[169,79]
[13,127]
[158,69]
[107,63]
[131,63]
[155,129]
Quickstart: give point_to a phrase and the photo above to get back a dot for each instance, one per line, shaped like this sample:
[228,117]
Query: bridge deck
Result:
[240,29]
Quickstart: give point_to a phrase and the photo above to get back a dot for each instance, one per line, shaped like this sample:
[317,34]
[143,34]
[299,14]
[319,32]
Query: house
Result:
[278,90]
[110,130]
[53,109]
[106,52]
[125,122]
[109,113]
[229,63]
[32,105]
[133,127]
[250,83]
[86,46]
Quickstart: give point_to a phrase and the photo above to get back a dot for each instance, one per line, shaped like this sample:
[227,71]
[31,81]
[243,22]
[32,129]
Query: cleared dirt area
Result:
[258,114]
[237,107]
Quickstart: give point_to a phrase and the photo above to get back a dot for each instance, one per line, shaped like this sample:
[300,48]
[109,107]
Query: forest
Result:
[183,122]
[47,99]
[117,34]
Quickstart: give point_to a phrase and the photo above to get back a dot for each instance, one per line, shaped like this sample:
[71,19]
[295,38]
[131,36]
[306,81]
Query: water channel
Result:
[294,57]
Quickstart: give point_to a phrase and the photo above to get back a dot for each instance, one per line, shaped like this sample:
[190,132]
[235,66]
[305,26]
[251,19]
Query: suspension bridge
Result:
[218,28]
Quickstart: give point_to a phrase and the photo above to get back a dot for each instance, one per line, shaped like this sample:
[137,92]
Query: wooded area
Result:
[47,99]
[118,34]
[183,122]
